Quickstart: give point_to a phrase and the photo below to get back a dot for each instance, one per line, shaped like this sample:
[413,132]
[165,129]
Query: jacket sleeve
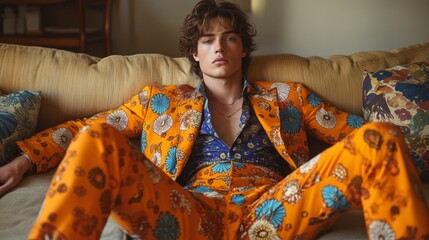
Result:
[46,149]
[325,122]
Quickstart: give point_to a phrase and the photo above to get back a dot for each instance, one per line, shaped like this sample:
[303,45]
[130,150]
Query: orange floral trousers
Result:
[101,175]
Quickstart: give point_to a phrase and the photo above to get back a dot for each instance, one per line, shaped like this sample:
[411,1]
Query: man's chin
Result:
[223,75]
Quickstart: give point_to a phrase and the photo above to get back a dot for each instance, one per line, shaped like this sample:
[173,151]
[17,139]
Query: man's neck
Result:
[224,90]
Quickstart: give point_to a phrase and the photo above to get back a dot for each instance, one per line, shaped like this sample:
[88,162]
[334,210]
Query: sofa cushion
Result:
[400,95]
[18,118]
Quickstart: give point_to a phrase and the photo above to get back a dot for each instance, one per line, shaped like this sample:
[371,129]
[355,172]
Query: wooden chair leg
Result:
[107,23]
[82,26]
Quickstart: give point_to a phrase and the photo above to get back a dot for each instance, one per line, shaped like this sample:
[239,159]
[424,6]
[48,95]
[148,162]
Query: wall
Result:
[303,27]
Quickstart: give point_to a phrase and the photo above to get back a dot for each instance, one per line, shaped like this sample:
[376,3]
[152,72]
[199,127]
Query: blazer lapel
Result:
[266,107]
[190,114]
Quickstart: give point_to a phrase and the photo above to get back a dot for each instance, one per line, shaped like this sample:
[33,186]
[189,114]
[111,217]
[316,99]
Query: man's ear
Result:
[244,53]
[196,58]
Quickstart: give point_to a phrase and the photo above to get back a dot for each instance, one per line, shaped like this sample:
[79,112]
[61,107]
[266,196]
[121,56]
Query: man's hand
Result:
[12,173]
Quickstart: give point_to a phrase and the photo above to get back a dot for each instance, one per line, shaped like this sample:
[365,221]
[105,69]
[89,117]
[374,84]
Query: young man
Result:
[227,160]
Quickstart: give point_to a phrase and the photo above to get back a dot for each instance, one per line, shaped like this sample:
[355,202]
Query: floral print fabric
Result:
[118,181]
[400,95]
[367,168]
[286,112]
[346,176]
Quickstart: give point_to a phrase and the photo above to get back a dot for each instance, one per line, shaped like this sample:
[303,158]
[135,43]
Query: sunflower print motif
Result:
[180,155]
[238,199]
[50,230]
[143,141]
[167,227]
[264,94]
[262,229]
[264,105]
[118,119]
[334,198]
[201,189]
[184,94]
[306,167]
[191,118]
[144,99]
[179,201]
[97,177]
[221,167]
[239,165]
[326,119]
[156,158]
[62,137]
[171,161]
[373,138]
[276,137]
[84,223]
[355,121]
[380,230]
[272,210]
[291,192]
[283,90]
[290,120]
[162,124]
[313,100]
[340,173]
[159,103]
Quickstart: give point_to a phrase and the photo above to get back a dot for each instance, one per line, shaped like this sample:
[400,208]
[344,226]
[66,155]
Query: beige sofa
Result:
[78,85]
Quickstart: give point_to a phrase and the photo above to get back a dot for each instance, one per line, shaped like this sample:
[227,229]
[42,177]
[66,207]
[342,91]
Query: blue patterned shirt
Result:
[252,145]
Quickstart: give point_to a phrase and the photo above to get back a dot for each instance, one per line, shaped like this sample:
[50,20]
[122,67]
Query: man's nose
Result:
[219,46]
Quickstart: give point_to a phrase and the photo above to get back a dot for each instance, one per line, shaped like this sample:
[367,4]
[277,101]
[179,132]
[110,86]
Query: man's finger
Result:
[4,187]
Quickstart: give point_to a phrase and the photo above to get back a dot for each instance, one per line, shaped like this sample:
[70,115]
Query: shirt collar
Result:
[206,126]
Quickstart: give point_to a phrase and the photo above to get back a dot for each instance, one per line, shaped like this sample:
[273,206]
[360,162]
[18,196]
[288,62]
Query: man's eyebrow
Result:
[212,34]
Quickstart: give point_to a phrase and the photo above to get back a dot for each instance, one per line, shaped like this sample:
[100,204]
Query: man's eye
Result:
[207,41]
[230,38]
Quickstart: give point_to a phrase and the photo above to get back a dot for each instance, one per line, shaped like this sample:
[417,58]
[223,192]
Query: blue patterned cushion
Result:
[18,119]
[400,95]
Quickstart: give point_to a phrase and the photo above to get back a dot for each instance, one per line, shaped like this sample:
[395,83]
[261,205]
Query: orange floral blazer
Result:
[168,118]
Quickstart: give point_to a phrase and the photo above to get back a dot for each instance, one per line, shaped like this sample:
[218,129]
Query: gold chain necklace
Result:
[227,116]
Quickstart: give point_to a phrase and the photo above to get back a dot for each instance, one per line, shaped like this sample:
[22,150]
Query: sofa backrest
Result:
[78,85]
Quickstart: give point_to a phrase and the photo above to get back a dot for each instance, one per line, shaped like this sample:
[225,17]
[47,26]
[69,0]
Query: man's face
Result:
[220,51]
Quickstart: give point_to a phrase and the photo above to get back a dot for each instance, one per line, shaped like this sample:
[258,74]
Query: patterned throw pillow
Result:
[400,95]
[18,119]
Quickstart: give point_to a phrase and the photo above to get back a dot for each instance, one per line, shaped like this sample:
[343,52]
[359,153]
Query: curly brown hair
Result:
[197,22]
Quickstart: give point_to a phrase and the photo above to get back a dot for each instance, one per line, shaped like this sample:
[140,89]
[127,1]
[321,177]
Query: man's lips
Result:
[220,60]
